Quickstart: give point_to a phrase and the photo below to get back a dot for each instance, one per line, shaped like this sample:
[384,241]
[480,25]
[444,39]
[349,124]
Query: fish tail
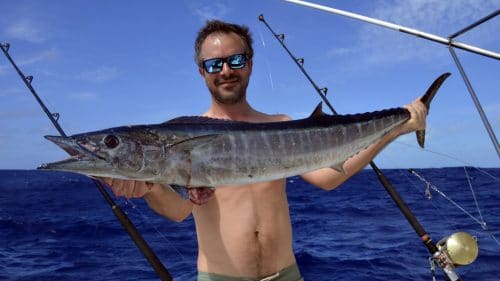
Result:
[426,100]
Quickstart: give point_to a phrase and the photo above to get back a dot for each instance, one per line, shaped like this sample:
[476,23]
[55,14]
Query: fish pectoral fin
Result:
[339,168]
[191,143]
[180,190]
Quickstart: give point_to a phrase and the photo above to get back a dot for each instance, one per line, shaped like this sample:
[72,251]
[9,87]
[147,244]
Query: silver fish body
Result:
[262,153]
[206,152]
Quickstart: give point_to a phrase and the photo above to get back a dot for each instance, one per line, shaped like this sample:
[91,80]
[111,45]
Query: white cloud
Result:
[28,60]
[492,108]
[48,54]
[27,30]
[100,74]
[85,95]
[208,10]
[7,92]
[493,113]
[11,114]
[3,69]
[339,52]
[438,17]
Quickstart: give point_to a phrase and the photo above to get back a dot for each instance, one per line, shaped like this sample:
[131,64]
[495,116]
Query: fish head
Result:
[125,152]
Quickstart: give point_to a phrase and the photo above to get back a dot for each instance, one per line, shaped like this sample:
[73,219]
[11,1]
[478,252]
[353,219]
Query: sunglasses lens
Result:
[213,65]
[236,61]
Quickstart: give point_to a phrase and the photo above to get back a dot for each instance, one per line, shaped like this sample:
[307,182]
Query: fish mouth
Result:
[82,159]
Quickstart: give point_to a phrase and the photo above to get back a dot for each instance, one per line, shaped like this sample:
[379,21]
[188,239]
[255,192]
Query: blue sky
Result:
[109,63]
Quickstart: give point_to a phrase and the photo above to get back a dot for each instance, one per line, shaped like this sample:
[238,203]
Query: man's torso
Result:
[246,230]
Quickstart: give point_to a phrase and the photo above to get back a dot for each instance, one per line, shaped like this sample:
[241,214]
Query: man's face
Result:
[229,85]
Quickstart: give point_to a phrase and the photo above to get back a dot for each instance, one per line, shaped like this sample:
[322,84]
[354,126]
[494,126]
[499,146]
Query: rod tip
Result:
[5,46]
[261,17]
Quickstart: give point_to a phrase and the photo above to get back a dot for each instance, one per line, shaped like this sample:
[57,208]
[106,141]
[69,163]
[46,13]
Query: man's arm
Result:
[329,179]
[162,199]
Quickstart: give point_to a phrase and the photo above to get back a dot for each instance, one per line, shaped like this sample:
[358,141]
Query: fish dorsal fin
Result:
[318,111]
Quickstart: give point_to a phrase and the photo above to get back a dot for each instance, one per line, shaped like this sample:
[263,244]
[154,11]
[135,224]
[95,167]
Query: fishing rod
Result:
[438,252]
[127,224]
[400,28]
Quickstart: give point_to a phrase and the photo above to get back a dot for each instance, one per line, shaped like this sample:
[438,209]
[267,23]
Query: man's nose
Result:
[226,70]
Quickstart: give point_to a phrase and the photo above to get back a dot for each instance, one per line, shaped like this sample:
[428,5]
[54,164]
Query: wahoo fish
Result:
[206,152]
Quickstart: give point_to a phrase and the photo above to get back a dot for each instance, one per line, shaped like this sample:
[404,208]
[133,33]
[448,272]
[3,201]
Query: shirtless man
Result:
[244,232]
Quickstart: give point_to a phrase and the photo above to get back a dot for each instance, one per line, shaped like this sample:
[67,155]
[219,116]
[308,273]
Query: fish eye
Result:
[111,141]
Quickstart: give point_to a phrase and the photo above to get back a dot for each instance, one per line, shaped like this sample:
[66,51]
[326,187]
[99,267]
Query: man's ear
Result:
[250,65]
[201,71]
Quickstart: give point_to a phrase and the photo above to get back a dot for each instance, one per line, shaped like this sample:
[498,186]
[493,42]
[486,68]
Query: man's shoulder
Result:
[273,117]
[282,117]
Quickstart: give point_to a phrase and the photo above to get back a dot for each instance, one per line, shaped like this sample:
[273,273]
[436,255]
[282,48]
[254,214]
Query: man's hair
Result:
[217,26]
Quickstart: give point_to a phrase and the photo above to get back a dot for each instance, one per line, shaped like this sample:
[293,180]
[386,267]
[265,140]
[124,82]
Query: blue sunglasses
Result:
[215,65]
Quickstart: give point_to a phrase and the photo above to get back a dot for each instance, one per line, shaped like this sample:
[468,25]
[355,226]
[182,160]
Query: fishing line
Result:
[147,219]
[480,221]
[436,189]
[484,227]
[266,59]
[474,196]
[430,186]
[463,162]
[450,219]
[428,195]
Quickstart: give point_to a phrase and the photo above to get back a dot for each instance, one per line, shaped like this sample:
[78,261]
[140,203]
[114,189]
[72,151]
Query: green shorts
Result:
[290,273]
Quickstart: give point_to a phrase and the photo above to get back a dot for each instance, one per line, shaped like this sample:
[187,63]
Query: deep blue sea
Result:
[57,226]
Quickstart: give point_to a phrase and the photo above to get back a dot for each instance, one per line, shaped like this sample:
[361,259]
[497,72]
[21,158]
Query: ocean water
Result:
[57,226]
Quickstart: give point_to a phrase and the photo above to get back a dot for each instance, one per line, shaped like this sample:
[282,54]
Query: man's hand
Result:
[162,199]
[129,188]
[417,120]
[138,189]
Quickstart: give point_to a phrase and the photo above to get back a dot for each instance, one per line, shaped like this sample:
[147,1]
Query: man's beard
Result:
[236,95]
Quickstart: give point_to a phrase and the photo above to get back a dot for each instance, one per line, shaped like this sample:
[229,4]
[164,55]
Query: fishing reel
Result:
[460,248]
[456,250]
